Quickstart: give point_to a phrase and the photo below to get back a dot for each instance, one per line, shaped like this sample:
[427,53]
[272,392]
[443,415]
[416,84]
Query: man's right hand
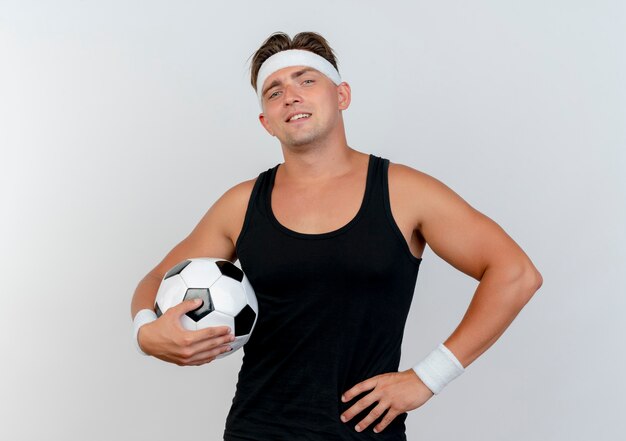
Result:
[166,339]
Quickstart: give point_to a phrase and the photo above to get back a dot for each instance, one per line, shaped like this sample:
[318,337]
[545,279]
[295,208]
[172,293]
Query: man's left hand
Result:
[397,391]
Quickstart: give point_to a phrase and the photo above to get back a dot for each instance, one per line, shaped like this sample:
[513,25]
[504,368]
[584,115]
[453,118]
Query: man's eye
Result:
[272,95]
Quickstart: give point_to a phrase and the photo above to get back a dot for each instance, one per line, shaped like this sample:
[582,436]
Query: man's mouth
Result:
[299,117]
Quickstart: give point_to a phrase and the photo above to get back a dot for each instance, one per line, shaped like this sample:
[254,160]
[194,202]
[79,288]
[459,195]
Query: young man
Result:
[332,241]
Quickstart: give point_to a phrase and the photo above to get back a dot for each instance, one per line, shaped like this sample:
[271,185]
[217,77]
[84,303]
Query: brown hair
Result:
[280,41]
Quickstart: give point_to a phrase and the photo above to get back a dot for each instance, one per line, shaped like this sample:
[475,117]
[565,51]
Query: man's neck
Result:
[318,165]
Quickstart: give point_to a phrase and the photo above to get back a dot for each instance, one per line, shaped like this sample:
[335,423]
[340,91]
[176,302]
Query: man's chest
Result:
[331,207]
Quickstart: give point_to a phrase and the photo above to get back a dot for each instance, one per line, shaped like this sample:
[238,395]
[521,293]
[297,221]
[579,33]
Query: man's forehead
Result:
[293,71]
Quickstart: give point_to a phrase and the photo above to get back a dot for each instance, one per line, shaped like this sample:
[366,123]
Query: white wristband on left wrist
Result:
[439,368]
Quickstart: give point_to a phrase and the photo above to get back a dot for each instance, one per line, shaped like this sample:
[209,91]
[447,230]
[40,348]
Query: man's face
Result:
[302,89]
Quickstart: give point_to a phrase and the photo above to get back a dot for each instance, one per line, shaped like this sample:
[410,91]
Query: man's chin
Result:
[304,139]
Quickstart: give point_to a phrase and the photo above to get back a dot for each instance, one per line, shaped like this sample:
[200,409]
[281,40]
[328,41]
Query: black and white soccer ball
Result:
[227,295]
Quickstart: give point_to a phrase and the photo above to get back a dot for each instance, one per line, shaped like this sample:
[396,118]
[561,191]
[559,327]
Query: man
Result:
[332,240]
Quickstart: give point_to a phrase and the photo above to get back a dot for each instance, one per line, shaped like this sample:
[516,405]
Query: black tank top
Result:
[332,311]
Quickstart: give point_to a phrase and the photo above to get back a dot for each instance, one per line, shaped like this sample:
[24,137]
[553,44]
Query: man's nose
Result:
[291,95]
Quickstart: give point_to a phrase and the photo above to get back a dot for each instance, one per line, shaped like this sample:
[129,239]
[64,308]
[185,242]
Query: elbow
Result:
[524,275]
[533,278]
[530,284]
[538,280]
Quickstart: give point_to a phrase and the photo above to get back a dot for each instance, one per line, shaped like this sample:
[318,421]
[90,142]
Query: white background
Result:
[121,122]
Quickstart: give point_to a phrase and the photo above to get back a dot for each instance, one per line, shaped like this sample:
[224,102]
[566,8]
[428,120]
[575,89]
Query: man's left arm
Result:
[474,244]
[477,246]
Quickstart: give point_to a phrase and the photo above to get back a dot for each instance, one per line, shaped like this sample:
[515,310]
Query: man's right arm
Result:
[165,338]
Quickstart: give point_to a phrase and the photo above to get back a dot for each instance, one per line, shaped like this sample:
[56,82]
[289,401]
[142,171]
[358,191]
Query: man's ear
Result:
[344,95]
[265,124]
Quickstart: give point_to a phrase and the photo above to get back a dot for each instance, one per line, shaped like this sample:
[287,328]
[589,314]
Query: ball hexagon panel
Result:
[228,296]
[217,318]
[207,304]
[171,292]
[199,274]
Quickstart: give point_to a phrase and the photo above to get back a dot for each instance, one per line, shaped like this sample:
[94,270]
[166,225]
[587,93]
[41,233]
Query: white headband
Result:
[294,57]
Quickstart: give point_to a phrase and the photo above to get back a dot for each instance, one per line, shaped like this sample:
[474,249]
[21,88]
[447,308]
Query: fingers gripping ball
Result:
[226,293]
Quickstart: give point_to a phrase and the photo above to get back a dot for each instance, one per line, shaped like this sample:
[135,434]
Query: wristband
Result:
[141,318]
[438,369]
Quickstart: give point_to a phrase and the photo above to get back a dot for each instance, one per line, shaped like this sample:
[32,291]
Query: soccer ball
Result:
[227,295]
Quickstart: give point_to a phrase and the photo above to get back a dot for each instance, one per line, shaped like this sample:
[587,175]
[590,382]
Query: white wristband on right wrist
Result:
[141,318]
[439,368]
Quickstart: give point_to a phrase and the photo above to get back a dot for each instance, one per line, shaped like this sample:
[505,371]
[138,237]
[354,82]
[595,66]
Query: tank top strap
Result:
[265,186]
[376,185]
[378,193]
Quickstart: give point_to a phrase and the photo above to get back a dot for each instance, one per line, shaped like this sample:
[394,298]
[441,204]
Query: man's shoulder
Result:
[407,178]
[235,199]
[418,192]
[230,208]
[239,194]
[242,187]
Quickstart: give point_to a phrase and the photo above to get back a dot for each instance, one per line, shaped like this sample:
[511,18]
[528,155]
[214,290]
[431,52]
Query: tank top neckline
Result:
[328,234]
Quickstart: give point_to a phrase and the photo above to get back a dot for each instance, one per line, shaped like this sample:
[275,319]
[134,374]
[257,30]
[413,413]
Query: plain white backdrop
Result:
[121,123]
